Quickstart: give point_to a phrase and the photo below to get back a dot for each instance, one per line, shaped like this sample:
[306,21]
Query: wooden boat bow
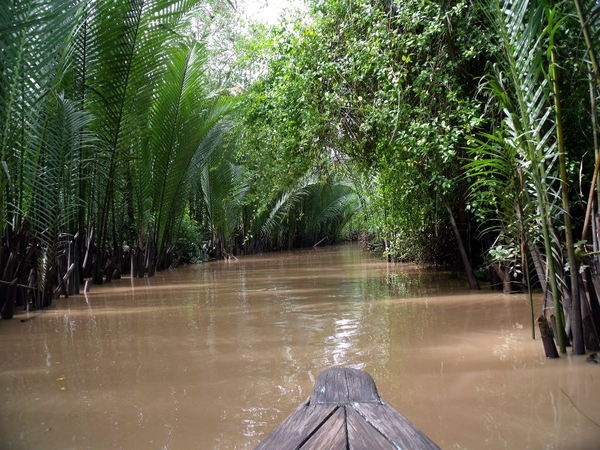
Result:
[345,412]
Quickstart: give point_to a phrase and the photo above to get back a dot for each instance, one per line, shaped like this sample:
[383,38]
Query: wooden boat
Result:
[345,412]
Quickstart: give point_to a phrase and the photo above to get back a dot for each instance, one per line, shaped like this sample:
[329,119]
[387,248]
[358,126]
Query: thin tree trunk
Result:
[463,253]
[547,341]
[575,312]
[525,265]
[7,287]
[590,331]
[595,184]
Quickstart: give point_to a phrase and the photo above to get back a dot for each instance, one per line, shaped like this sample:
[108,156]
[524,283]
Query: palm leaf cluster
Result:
[520,170]
[116,144]
[316,210]
[106,118]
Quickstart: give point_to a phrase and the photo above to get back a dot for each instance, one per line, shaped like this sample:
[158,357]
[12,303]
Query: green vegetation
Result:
[138,134]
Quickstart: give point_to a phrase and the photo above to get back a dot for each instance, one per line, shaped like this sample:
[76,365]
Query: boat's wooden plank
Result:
[362,435]
[397,428]
[330,387]
[296,428]
[361,387]
[331,435]
[345,412]
[344,385]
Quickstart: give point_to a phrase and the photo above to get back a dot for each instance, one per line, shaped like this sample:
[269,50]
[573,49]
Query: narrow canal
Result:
[214,356]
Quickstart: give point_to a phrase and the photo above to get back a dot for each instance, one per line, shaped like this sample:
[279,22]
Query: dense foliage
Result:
[106,117]
[362,88]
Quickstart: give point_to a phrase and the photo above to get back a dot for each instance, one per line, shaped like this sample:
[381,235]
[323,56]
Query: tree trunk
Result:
[463,253]
[575,310]
[547,339]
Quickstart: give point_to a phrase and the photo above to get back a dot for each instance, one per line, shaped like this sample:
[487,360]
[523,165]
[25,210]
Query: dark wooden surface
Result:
[345,412]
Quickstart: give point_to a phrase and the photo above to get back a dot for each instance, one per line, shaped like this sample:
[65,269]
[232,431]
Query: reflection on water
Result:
[215,356]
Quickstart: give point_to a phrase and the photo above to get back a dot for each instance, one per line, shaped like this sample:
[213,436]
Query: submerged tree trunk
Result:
[503,273]
[7,287]
[547,338]
[590,329]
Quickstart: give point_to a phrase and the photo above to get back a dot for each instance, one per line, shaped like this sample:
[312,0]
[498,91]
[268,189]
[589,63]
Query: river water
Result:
[214,356]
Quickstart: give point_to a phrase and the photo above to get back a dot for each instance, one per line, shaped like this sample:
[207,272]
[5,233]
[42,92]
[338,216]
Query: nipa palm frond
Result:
[527,31]
[520,84]
[51,175]
[222,192]
[588,12]
[34,37]
[186,127]
[124,50]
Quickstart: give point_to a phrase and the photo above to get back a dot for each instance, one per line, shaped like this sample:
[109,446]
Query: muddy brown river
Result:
[214,356]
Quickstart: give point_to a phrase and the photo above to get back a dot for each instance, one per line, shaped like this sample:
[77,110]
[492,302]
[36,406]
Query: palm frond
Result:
[34,37]
[186,127]
[274,223]
[51,175]
[588,12]
[527,30]
[122,54]
[222,186]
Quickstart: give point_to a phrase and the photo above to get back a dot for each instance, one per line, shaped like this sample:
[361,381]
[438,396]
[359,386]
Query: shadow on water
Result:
[214,356]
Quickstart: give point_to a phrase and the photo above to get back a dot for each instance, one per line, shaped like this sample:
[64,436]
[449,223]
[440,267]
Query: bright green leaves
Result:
[521,175]
[35,38]
[376,90]
[105,113]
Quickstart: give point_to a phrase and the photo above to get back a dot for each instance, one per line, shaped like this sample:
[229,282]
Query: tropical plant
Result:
[220,190]
[521,171]
[41,137]
[124,50]
[106,116]
[51,180]
[185,128]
